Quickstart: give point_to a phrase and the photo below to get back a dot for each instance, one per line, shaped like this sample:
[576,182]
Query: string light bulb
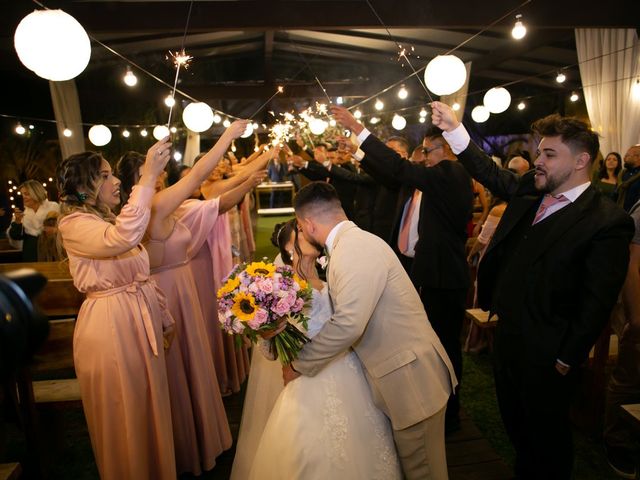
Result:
[20,130]
[403,93]
[339,101]
[130,78]
[177,156]
[173,129]
[226,123]
[144,132]
[455,106]
[379,105]
[561,77]
[126,133]
[374,120]
[423,113]
[519,30]
[522,106]
[357,114]
[217,118]
[169,101]
[67,132]
[574,97]
[422,119]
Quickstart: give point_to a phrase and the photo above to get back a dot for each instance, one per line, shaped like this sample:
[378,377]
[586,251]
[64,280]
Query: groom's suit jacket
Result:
[378,313]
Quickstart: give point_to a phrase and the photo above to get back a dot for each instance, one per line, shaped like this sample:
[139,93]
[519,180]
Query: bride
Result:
[322,427]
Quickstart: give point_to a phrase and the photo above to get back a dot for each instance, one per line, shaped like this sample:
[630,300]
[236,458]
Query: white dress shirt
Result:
[332,236]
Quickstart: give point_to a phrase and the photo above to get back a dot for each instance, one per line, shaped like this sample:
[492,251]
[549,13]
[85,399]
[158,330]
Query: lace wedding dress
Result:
[326,427]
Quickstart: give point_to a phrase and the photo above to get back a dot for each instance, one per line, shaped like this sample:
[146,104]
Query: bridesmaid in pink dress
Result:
[118,339]
[200,427]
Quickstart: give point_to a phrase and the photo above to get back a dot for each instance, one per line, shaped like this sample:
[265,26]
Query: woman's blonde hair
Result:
[35,190]
[79,182]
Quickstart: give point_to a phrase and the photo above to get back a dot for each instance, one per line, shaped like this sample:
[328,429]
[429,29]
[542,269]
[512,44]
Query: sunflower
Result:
[244,306]
[261,269]
[229,287]
[302,283]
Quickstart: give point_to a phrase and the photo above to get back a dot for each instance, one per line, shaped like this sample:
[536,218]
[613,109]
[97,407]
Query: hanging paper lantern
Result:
[248,131]
[160,131]
[480,114]
[198,117]
[398,122]
[497,100]
[52,44]
[99,135]
[445,74]
[317,126]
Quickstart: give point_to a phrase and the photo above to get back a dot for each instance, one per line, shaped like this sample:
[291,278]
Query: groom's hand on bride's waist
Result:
[280,326]
[289,374]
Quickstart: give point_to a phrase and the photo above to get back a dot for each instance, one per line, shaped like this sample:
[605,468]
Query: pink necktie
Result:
[547,202]
[403,237]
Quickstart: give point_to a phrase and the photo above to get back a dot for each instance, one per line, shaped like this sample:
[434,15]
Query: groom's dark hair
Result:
[319,196]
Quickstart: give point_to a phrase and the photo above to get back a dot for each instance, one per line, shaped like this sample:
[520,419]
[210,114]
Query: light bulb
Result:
[423,113]
[339,100]
[20,130]
[226,123]
[130,78]
[51,179]
[217,118]
[574,97]
[126,133]
[144,132]
[10,182]
[357,114]
[455,106]
[379,105]
[67,132]
[561,77]
[398,122]
[255,125]
[374,120]
[31,127]
[177,156]
[519,30]
[332,123]
[421,119]
[403,93]
[169,101]
[173,129]
[522,106]
[44,184]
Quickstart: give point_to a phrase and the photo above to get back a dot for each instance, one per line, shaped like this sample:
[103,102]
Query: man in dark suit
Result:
[552,273]
[429,232]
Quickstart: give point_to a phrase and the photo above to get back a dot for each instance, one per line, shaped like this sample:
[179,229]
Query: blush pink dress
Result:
[211,264]
[118,343]
[200,427]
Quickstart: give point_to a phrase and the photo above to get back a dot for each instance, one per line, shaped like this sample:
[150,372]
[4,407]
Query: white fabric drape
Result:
[66,107]
[192,148]
[607,84]
[459,97]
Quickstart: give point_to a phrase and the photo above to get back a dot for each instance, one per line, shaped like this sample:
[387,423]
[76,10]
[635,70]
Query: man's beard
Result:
[628,165]
[316,245]
[551,182]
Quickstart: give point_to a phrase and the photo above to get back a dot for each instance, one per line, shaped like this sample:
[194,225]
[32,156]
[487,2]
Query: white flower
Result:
[323,261]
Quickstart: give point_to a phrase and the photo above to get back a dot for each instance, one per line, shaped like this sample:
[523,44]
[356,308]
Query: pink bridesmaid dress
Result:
[211,264]
[200,426]
[118,343]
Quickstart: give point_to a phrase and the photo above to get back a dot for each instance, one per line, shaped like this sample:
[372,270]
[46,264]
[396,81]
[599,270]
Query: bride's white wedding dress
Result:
[326,427]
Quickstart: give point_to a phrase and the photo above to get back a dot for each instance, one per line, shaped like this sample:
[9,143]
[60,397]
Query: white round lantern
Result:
[445,74]
[52,44]
[317,126]
[160,131]
[398,122]
[497,100]
[198,117]
[248,131]
[99,135]
[480,114]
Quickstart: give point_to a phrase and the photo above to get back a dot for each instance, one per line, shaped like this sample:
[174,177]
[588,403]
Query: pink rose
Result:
[237,326]
[259,318]
[282,307]
[298,305]
[266,286]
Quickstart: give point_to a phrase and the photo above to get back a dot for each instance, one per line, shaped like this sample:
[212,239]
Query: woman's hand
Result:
[280,326]
[237,128]
[18,215]
[157,157]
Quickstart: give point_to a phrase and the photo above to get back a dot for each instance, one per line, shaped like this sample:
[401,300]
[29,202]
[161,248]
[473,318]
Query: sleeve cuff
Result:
[306,165]
[359,155]
[562,363]
[362,136]
[458,139]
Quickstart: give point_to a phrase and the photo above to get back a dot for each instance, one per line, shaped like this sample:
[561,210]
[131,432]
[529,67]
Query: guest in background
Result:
[28,225]
[429,232]
[552,273]
[480,208]
[519,163]
[609,175]
[174,235]
[277,171]
[629,188]
[418,156]
[118,348]
[621,446]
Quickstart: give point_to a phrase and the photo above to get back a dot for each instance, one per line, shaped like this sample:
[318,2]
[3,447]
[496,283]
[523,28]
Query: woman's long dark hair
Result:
[603,165]
[280,237]
[127,170]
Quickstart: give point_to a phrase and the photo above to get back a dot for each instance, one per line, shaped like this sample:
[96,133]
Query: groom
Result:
[378,313]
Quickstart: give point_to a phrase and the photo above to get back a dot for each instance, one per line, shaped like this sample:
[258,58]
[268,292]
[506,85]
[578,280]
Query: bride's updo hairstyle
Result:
[280,237]
[79,182]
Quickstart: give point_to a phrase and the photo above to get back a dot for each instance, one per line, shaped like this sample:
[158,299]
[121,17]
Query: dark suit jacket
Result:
[364,196]
[572,277]
[446,207]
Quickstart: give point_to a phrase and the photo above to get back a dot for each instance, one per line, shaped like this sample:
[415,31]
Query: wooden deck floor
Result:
[469,454]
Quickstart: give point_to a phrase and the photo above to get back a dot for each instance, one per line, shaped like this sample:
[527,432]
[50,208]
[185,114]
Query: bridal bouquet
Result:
[257,297]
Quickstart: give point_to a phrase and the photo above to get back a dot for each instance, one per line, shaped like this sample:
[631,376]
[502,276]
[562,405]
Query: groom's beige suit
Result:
[378,313]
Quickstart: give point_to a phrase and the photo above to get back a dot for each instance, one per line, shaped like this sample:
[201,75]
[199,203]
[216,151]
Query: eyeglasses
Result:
[427,151]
